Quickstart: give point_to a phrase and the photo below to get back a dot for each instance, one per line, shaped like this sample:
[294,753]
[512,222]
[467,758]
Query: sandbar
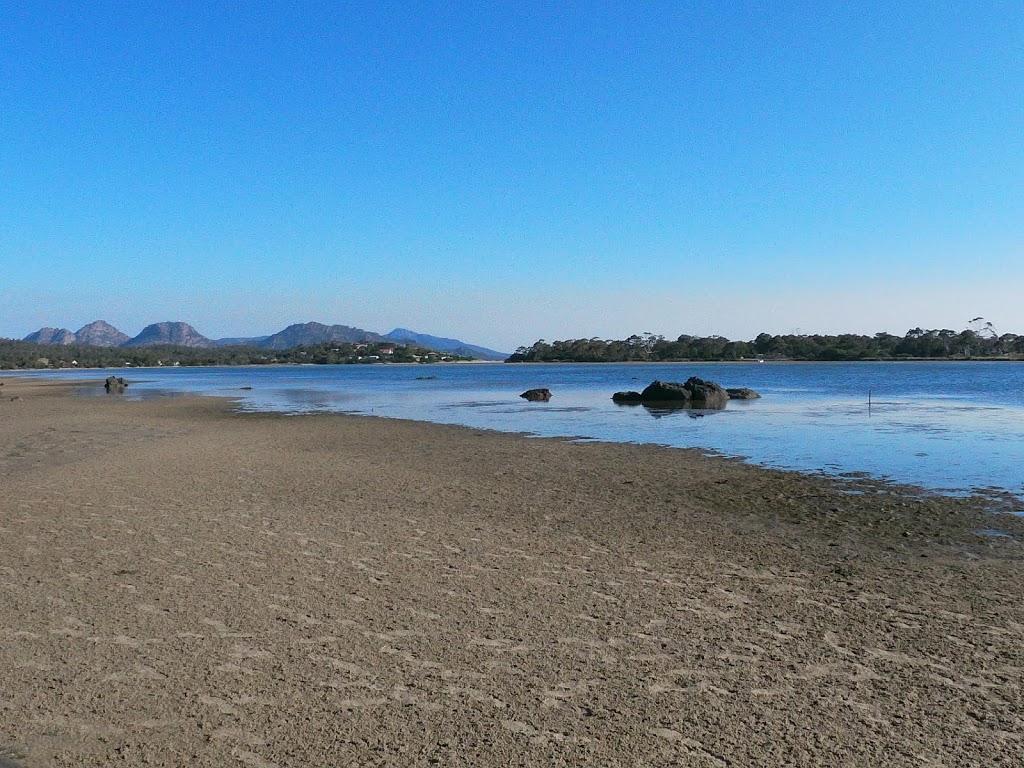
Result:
[185,585]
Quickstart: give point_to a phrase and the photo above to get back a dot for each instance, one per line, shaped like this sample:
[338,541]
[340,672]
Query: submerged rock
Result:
[115,384]
[741,393]
[628,396]
[539,395]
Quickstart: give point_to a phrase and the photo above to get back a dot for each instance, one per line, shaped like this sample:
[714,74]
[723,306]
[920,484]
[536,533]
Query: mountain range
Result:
[441,344]
[103,334]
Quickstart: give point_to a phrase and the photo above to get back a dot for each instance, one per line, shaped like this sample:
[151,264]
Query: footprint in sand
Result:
[141,672]
[515,726]
[475,695]
[344,666]
[490,643]
[242,652]
[592,648]
[251,758]
[153,610]
[240,736]
[221,705]
[691,747]
[222,629]
[564,692]
[295,617]
[541,738]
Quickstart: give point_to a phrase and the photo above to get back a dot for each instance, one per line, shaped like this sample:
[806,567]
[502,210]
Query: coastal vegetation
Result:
[28,355]
[973,343]
[980,342]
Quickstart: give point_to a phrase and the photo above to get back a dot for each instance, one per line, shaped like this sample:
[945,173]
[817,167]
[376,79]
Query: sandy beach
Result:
[181,585]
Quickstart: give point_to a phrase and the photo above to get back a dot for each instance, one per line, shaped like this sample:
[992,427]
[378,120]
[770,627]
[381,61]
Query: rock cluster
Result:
[693,393]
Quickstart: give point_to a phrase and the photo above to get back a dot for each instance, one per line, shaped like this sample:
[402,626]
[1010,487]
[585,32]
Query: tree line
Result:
[27,355]
[917,343]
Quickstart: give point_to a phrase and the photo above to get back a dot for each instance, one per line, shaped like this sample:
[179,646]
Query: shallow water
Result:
[951,427]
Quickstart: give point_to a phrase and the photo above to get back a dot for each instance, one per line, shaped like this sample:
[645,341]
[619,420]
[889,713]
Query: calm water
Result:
[953,427]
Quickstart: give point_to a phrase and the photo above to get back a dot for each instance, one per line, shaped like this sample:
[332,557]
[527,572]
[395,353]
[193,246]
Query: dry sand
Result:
[181,585]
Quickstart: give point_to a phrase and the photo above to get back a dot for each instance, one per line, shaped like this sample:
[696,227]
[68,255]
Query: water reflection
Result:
[661,411]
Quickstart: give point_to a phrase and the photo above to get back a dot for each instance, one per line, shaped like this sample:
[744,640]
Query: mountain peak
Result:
[304,334]
[49,335]
[100,333]
[181,334]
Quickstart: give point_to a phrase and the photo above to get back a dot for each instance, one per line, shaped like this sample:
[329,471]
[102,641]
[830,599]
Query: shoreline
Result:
[786,361]
[14,372]
[184,584]
[999,497]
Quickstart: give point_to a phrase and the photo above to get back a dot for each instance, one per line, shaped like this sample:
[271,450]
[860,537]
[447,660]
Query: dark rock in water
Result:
[665,392]
[541,395]
[741,393]
[707,394]
[626,397]
[115,384]
[693,393]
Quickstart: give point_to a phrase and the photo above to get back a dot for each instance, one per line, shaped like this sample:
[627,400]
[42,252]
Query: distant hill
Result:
[181,334]
[51,336]
[240,341]
[100,333]
[442,344]
[304,334]
[96,334]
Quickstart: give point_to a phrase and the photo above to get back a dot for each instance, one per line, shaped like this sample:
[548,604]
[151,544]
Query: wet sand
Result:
[182,585]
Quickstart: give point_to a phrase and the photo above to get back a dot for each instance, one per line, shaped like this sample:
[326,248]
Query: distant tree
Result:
[982,328]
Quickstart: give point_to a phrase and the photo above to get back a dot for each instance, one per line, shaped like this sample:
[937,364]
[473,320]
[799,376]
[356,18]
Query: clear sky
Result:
[508,171]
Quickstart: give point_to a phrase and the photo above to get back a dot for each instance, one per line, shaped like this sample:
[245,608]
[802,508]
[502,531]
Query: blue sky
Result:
[504,172]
